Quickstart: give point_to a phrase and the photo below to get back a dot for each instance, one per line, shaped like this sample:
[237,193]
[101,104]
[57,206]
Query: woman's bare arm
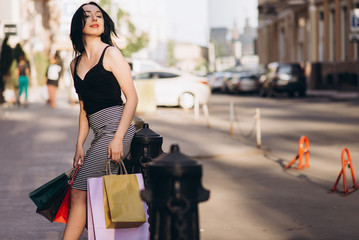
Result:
[116,63]
[83,129]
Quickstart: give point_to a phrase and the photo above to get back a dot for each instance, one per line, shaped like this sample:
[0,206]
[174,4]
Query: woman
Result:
[100,72]
[53,74]
[22,73]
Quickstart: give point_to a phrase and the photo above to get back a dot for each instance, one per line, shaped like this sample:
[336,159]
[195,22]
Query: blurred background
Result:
[193,36]
[231,43]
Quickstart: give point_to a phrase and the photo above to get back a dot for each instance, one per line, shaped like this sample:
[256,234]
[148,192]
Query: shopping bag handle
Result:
[73,173]
[122,167]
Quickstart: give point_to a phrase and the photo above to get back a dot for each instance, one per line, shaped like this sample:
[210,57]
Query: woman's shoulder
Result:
[113,51]
[114,55]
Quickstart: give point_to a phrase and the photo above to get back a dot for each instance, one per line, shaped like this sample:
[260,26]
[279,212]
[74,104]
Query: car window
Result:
[147,75]
[166,75]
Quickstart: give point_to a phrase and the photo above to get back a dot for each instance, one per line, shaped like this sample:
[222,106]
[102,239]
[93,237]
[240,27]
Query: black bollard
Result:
[174,192]
[146,145]
[137,122]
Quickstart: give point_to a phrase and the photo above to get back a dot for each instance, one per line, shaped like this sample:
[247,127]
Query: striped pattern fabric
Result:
[104,124]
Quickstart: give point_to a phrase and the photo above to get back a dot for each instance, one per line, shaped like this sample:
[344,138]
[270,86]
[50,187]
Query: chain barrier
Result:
[233,118]
[241,131]
[179,206]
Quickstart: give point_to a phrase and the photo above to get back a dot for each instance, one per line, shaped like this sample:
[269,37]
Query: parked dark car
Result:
[243,82]
[215,80]
[283,78]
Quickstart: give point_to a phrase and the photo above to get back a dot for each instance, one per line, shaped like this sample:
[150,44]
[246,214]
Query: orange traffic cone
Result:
[303,149]
[345,162]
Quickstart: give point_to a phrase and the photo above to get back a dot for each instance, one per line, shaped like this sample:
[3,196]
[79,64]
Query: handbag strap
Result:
[122,167]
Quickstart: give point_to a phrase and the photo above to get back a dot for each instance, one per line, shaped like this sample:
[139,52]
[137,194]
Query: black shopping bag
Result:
[46,192]
[50,208]
[48,197]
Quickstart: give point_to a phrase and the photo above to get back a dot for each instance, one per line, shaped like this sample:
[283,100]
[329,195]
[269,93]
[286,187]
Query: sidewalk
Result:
[333,94]
[194,138]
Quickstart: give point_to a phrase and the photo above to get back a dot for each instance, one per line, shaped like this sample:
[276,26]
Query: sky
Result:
[190,20]
[225,12]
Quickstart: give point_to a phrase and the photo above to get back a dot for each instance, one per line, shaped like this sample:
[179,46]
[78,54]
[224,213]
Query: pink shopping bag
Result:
[96,216]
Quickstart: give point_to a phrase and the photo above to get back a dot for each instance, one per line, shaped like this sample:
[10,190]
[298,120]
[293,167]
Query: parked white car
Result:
[140,65]
[175,88]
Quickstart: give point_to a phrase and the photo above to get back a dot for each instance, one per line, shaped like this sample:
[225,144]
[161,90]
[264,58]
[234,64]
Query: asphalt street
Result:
[251,195]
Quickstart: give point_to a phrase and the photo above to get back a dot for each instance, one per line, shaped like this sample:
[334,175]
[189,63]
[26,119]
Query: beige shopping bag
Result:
[122,201]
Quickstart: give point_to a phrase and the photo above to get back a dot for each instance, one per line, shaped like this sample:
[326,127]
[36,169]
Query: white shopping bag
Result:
[96,216]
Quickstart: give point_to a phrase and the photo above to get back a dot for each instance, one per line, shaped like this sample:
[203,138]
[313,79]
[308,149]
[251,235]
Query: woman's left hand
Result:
[115,150]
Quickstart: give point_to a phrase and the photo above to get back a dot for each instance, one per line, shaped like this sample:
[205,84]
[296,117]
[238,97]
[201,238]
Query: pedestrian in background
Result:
[100,73]
[53,75]
[23,76]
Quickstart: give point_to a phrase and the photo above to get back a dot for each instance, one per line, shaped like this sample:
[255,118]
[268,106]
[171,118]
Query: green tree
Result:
[220,50]
[135,41]
[171,60]
[41,63]
[106,5]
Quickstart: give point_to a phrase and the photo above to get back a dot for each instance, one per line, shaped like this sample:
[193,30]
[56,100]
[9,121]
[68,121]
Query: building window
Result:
[282,45]
[301,36]
[356,57]
[344,33]
[332,35]
[321,36]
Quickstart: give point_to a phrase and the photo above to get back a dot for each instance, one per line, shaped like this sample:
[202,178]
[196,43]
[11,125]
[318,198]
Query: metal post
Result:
[231,117]
[206,114]
[358,66]
[258,125]
[174,192]
[196,108]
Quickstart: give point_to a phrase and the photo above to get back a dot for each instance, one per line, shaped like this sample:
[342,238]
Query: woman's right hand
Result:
[79,156]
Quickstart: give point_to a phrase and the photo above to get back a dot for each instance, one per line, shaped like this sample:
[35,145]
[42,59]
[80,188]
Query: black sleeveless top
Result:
[99,89]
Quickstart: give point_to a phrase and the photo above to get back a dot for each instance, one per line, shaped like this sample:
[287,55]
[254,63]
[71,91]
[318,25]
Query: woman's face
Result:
[94,22]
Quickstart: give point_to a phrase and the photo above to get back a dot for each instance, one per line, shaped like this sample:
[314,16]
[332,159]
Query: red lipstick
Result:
[94,25]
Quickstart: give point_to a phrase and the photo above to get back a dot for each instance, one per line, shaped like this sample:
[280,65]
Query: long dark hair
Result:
[78,24]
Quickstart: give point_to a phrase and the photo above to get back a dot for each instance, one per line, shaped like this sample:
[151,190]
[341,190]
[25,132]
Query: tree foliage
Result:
[171,59]
[135,41]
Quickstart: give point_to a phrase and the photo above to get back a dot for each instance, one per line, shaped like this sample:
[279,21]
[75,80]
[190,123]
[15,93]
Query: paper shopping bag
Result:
[63,211]
[96,215]
[51,207]
[44,193]
[122,201]
[51,196]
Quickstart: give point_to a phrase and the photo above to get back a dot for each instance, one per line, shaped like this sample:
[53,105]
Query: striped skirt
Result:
[104,124]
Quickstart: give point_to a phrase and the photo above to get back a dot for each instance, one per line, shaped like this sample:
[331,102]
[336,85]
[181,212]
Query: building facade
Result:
[315,33]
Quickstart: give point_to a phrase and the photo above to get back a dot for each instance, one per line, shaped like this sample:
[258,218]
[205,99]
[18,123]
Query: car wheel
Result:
[187,100]
[302,93]
[272,93]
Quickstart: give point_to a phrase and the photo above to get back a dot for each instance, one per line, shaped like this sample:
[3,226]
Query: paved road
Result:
[37,144]
[252,197]
[329,125]
[268,202]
